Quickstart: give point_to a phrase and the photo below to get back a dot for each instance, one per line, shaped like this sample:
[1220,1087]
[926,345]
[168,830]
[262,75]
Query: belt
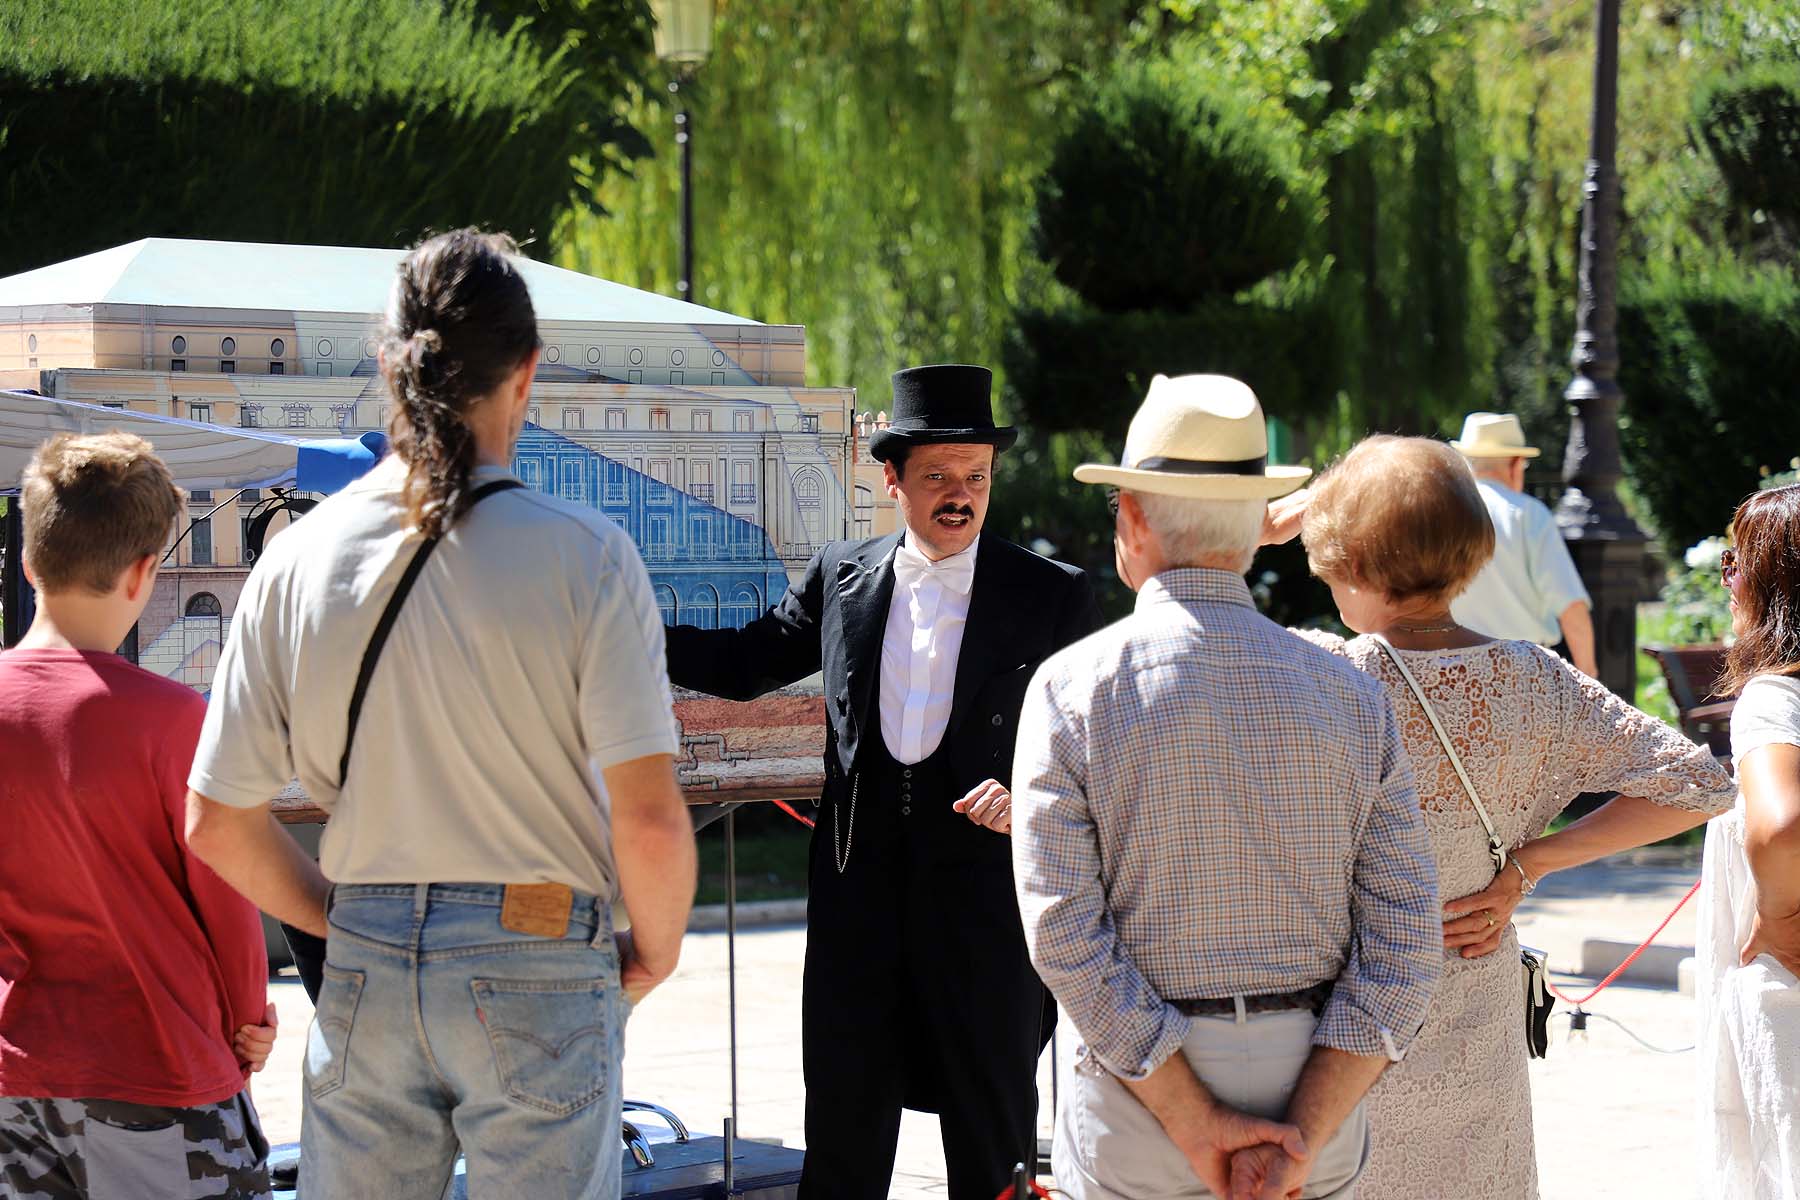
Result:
[1313,998]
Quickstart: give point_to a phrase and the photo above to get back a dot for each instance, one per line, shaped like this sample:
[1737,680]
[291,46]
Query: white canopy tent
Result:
[199,455]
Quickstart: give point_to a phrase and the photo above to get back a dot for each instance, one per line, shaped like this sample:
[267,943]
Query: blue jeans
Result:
[437,1029]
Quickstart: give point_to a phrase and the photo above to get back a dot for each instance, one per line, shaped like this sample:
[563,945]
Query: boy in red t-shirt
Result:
[133,998]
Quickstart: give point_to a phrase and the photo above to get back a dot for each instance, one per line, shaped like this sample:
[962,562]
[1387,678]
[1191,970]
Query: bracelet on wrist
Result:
[1528,882]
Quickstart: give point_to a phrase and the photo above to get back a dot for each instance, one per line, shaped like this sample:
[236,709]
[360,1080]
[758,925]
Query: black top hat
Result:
[941,404]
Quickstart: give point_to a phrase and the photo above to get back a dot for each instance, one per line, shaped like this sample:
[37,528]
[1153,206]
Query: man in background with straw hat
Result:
[1221,866]
[1530,589]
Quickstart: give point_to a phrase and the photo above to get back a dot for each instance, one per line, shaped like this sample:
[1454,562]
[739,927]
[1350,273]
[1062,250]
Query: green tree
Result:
[341,121]
[1708,366]
[861,169]
[1167,188]
[1750,121]
[1386,91]
[1168,201]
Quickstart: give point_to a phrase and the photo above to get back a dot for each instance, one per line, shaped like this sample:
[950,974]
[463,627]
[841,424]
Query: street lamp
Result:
[683,40]
[1607,545]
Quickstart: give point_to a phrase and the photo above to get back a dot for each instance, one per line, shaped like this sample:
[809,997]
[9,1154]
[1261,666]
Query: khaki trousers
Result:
[1108,1146]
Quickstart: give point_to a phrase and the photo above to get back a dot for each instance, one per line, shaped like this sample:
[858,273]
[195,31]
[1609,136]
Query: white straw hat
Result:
[1200,436]
[1494,435]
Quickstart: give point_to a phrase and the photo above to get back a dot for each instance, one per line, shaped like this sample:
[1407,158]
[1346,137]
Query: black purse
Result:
[1532,963]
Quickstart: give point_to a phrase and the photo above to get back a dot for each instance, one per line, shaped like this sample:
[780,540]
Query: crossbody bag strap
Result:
[1496,848]
[385,626]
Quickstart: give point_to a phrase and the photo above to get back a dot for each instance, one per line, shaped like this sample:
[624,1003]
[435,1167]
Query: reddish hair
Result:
[1401,514]
[1766,535]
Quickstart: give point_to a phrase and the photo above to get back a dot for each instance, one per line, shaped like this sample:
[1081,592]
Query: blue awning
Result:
[199,455]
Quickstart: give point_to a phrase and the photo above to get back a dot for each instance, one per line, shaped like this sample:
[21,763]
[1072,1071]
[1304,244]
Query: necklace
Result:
[1450,628]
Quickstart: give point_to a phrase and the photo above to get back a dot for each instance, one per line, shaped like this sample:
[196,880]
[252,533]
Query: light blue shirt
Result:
[1530,580]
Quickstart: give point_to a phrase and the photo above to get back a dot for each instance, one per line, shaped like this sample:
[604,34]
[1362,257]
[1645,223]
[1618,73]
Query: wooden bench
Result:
[1693,674]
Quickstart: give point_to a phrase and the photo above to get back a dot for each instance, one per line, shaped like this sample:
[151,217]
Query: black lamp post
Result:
[1607,545]
[683,40]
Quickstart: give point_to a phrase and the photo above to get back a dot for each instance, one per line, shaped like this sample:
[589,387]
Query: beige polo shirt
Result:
[528,656]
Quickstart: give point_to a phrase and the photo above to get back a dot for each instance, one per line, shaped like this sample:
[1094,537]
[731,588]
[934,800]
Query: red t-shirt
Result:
[125,964]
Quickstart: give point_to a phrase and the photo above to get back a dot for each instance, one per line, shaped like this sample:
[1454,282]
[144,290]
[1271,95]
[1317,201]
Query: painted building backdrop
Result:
[708,567]
[691,428]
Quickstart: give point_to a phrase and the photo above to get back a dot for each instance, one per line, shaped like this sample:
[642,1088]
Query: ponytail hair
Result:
[459,321]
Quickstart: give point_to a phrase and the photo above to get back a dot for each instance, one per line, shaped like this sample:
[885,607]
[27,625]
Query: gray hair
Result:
[1195,531]
[1490,466]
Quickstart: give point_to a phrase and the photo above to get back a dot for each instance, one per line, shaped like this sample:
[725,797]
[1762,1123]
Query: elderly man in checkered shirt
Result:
[1221,866]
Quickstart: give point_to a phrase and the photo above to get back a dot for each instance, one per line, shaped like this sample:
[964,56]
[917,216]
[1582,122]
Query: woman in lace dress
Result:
[1748,952]
[1397,529]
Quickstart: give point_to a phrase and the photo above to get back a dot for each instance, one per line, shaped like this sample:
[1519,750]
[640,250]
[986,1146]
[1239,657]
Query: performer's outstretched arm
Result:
[776,649]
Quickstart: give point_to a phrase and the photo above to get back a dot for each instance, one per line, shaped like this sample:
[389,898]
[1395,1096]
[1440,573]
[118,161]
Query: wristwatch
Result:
[1529,882]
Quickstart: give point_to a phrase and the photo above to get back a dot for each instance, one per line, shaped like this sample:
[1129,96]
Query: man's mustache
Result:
[954,510]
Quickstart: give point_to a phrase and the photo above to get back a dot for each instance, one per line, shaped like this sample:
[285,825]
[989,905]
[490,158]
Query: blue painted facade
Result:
[708,568]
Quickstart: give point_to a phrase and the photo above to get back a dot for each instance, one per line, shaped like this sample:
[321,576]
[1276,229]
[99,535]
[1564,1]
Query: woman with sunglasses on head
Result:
[1748,951]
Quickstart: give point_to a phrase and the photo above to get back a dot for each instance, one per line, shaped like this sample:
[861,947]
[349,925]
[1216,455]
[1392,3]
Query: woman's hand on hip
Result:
[1474,925]
[1777,937]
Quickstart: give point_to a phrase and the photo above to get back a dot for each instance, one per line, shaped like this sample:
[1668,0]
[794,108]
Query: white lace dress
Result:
[1454,1118]
[1749,1037]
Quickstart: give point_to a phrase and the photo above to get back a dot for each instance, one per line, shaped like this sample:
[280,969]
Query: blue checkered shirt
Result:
[1205,805]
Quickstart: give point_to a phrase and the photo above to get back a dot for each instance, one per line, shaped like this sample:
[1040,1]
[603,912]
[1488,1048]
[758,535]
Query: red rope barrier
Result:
[1605,983]
[789,809]
[1037,1189]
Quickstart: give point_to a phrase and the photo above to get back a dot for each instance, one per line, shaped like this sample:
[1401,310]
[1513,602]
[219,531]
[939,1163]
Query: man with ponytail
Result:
[468,676]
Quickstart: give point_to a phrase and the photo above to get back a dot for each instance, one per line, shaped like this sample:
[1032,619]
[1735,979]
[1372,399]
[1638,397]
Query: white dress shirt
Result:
[919,648]
[1524,588]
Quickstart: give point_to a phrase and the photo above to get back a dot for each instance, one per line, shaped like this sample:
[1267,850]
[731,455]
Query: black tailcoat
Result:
[918,989]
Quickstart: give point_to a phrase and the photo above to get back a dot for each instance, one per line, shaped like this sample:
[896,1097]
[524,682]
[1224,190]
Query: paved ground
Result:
[1613,1119]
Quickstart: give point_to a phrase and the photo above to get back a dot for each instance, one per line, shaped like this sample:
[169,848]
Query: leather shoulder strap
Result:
[1496,849]
[385,626]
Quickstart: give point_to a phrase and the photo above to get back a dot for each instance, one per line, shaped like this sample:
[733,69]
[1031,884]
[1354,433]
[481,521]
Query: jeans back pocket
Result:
[552,1039]
[328,1041]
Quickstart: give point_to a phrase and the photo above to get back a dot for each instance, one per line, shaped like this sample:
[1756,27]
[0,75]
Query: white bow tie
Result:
[956,572]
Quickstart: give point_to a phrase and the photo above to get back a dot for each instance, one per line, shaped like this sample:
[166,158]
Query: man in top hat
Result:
[1222,869]
[918,990]
[1530,589]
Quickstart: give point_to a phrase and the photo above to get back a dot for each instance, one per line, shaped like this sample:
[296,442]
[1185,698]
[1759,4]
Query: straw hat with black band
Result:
[1201,437]
[938,404]
[1493,435]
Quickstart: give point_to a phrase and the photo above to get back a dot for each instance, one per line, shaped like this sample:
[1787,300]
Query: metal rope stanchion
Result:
[731,983]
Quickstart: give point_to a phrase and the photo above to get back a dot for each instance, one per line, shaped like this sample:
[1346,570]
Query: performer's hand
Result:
[989,805]
[1474,925]
[1211,1151]
[638,975]
[253,1043]
[1778,937]
[1281,520]
[1266,1172]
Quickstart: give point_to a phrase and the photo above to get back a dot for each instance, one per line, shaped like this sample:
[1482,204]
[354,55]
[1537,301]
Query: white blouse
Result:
[1749,1039]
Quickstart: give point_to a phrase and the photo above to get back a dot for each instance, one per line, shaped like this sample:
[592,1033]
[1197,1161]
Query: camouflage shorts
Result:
[110,1150]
